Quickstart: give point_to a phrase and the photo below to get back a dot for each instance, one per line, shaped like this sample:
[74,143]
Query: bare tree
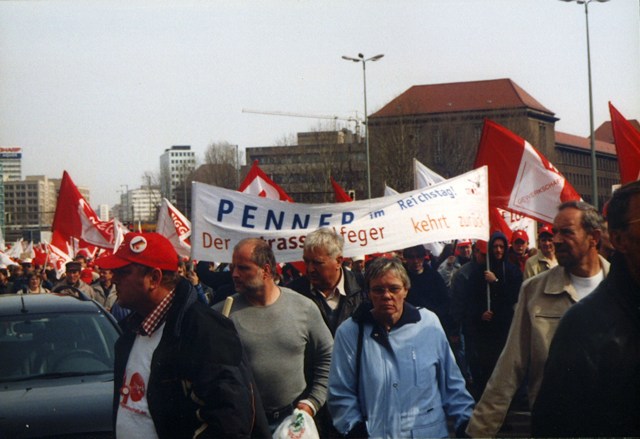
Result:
[286,140]
[150,181]
[221,165]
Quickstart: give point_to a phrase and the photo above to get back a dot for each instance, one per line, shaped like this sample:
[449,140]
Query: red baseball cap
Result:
[150,249]
[545,230]
[519,234]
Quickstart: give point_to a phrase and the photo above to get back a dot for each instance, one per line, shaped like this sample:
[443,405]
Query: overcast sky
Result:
[102,88]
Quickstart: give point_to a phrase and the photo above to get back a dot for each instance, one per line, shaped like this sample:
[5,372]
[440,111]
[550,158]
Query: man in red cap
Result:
[546,256]
[179,367]
[517,253]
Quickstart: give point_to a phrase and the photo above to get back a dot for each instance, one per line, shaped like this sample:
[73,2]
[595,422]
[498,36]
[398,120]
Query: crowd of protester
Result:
[401,344]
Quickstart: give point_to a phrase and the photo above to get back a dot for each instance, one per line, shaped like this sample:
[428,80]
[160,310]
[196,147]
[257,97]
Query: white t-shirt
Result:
[134,419]
[585,285]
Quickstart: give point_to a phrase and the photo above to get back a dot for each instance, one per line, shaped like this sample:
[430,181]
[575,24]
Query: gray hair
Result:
[381,266]
[326,239]
[591,219]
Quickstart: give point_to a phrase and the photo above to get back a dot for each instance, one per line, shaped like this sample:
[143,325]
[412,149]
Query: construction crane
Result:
[357,121]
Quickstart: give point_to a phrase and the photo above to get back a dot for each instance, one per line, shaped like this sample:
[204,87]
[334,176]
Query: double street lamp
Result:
[364,61]
[594,169]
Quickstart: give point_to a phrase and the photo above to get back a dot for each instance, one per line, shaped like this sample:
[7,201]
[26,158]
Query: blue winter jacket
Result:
[409,381]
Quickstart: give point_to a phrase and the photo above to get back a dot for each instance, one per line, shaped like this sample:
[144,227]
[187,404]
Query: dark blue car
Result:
[56,367]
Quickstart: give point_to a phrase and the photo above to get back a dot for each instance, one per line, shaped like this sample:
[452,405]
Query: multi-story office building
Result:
[304,170]
[103,212]
[176,164]
[29,207]
[11,160]
[139,205]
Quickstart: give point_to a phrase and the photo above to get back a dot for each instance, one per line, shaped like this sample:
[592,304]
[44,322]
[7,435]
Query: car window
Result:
[49,344]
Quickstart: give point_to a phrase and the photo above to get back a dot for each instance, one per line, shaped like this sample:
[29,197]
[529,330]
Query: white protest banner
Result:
[452,209]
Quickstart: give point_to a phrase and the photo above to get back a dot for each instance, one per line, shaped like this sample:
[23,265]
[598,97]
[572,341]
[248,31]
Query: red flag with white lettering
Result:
[627,140]
[521,179]
[173,225]
[341,195]
[74,218]
[258,183]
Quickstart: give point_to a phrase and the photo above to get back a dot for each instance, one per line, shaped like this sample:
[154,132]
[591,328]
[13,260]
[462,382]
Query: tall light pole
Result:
[364,61]
[594,168]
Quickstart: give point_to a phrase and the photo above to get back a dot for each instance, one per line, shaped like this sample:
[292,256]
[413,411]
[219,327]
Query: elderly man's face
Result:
[545,243]
[571,240]
[73,276]
[323,270]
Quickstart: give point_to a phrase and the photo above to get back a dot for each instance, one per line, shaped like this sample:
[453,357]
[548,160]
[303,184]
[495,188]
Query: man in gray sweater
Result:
[287,342]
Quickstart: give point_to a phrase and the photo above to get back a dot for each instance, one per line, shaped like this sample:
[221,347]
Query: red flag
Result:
[520,178]
[627,140]
[498,224]
[74,218]
[174,226]
[258,183]
[341,195]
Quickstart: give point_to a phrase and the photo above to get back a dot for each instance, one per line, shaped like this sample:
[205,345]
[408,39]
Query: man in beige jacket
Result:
[542,302]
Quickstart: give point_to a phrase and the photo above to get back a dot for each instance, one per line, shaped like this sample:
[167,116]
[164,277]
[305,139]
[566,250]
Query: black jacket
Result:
[199,357]
[348,304]
[428,290]
[591,384]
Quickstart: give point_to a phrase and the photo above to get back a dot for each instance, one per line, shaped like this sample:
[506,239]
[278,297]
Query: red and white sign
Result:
[520,178]
[174,226]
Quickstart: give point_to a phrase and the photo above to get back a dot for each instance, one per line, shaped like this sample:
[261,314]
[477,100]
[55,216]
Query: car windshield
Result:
[55,345]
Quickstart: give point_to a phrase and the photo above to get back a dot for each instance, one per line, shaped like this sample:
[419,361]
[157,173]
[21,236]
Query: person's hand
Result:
[193,278]
[487,316]
[490,277]
[305,407]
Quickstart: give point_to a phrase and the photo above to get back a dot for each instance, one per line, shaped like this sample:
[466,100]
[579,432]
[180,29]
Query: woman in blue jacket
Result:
[392,372]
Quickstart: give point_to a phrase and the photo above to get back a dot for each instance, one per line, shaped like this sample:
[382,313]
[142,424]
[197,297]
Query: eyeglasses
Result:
[379,291]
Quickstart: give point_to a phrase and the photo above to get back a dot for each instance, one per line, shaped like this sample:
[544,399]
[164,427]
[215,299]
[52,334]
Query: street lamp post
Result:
[594,169]
[364,61]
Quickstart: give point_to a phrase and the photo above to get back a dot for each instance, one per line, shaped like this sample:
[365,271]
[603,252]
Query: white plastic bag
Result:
[299,425]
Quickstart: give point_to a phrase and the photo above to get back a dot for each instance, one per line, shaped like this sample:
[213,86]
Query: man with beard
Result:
[287,342]
[542,302]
